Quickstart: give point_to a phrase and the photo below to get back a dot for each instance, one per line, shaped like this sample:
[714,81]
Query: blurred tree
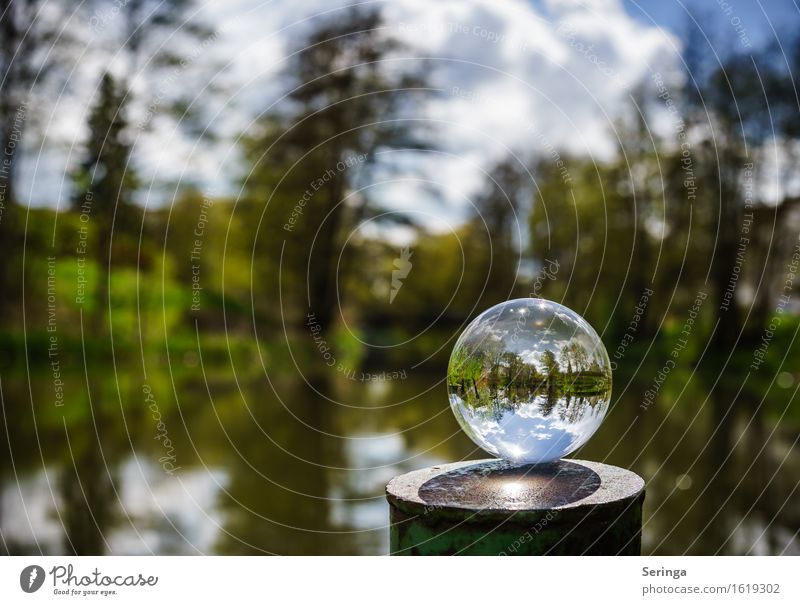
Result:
[203,237]
[498,223]
[724,157]
[777,107]
[345,104]
[161,42]
[638,181]
[30,40]
[447,285]
[742,114]
[147,22]
[584,223]
[104,183]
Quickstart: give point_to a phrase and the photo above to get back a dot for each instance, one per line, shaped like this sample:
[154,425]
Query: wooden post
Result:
[493,507]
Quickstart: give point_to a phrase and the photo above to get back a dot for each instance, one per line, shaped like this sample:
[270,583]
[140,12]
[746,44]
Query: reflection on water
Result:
[153,513]
[547,426]
[303,474]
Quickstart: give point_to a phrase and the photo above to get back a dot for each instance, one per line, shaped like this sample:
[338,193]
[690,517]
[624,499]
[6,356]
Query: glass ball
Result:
[529,380]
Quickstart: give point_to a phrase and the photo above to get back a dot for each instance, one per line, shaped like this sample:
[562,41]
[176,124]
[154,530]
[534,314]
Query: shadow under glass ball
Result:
[529,380]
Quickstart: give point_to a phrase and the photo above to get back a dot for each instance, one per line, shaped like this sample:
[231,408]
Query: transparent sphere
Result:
[529,380]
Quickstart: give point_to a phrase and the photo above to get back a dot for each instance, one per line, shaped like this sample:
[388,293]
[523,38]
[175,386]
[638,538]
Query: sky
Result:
[513,77]
[758,18]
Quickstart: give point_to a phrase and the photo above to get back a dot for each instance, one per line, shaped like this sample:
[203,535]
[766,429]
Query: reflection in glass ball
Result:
[529,380]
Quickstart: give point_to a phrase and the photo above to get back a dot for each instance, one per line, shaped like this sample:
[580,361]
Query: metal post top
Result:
[496,487]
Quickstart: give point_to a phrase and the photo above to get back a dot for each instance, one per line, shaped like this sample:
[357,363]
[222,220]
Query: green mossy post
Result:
[493,507]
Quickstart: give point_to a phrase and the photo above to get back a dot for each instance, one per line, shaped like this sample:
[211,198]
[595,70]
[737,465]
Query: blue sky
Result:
[757,17]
